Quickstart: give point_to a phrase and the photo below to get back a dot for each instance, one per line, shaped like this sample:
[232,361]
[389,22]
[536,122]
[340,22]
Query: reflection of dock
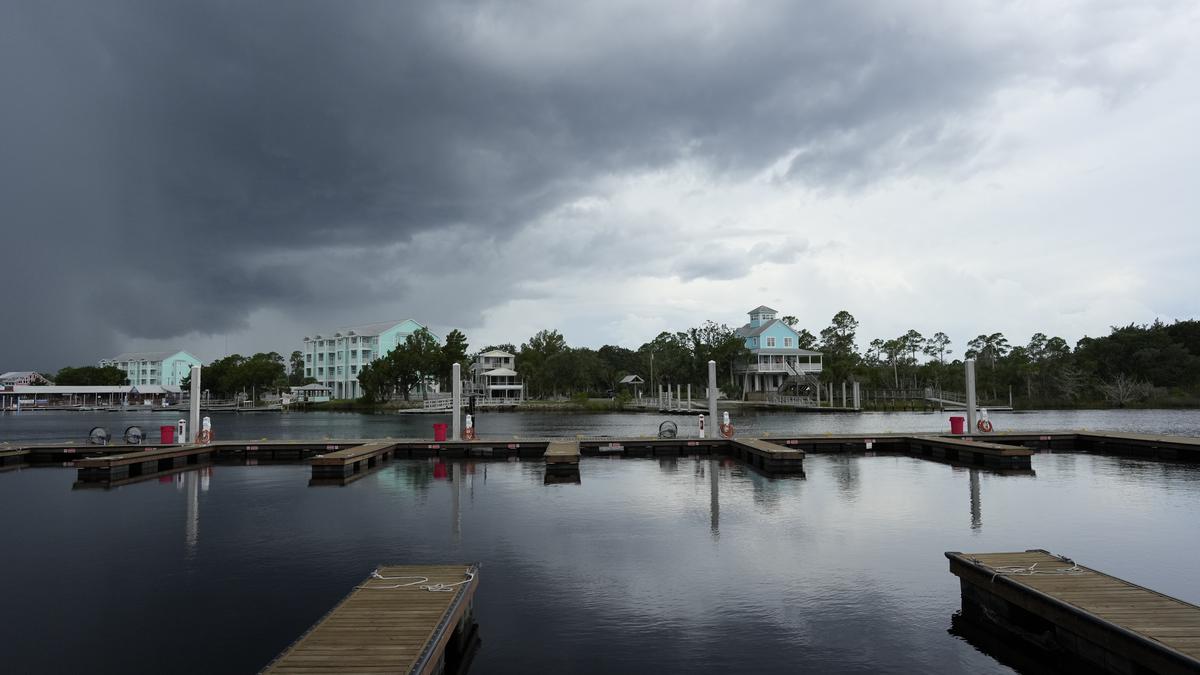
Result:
[400,620]
[1061,606]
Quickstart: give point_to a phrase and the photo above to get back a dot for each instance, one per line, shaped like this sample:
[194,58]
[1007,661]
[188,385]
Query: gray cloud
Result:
[173,167]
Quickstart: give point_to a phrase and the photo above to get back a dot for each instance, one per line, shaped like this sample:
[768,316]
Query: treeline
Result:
[252,376]
[1133,364]
[551,368]
[83,376]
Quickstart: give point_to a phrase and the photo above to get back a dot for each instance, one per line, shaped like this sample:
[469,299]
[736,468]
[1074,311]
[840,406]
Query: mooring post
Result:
[689,407]
[818,388]
[456,400]
[857,396]
[712,393]
[843,393]
[970,367]
[194,408]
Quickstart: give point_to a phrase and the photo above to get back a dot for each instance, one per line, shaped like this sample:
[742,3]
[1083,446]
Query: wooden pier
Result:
[115,468]
[401,619]
[1058,605]
[770,457]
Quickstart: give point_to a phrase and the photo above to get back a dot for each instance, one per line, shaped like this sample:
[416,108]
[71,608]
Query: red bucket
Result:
[957,424]
[166,435]
[439,432]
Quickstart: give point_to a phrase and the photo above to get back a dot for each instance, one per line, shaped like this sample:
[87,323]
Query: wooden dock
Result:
[1054,603]
[770,457]
[115,468]
[352,460]
[400,620]
[562,454]
[975,452]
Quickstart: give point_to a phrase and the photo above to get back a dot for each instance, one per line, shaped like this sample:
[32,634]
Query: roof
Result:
[497,352]
[752,331]
[501,372]
[143,356]
[760,309]
[632,379]
[94,389]
[13,374]
[312,387]
[367,329]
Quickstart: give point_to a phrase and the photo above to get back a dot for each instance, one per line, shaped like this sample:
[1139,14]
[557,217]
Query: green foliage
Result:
[236,374]
[419,360]
[296,374]
[109,376]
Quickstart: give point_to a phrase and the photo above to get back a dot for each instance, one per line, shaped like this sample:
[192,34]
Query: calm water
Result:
[55,426]
[645,566]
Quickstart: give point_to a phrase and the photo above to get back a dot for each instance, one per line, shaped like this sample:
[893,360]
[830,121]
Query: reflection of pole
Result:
[976,505]
[455,512]
[714,500]
[970,366]
[192,525]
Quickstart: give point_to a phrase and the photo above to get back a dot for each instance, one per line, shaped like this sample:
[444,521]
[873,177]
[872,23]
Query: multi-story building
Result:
[160,368]
[23,378]
[494,376]
[335,360]
[776,359]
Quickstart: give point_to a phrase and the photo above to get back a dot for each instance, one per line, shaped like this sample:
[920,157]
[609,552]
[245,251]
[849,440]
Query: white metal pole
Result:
[712,394]
[456,403]
[843,393]
[689,406]
[194,423]
[857,396]
[970,366]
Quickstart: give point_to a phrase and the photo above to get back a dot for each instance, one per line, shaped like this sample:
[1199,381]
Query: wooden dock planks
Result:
[562,452]
[386,625]
[770,457]
[1109,621]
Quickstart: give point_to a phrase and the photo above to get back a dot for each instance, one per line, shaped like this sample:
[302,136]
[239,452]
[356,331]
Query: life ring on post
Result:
[984,425]
[469,433]
[727,430]
[204,436]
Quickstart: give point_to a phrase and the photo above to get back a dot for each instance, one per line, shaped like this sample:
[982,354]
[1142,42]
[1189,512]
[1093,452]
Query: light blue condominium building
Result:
[335,359]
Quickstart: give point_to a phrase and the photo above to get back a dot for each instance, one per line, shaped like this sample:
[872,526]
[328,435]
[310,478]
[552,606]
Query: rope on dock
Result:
[432,588]
[1018,571]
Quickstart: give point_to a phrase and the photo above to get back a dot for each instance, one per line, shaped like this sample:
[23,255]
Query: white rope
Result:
[432,588]
[1018,571]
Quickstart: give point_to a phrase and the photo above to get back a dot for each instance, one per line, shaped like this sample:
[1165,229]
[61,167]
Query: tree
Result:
[296,376]
[110,376]
[454,351]
[790,321]
[988,347]
[837,341]
[939,346]
[805,339]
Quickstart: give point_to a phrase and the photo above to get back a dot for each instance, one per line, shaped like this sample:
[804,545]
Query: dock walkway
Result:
[768,456]
[390,623]
[1110,622]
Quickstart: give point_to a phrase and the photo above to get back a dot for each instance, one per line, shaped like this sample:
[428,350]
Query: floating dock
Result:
[1061,606]
[402,619]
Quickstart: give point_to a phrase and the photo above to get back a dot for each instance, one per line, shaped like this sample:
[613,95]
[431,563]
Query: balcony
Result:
[788,368]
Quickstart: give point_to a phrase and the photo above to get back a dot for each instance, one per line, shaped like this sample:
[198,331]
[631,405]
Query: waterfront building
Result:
[776,359]
[154,368]
[33,396]
[311,393]
[22,377]
[494,376]
[335,359]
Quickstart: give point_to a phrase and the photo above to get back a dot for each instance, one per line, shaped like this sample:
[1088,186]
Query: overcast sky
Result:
[200,174]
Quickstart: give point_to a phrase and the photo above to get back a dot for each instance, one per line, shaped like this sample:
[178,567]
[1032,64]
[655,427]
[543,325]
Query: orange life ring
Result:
[469,433]
[984,425]
[205,436]
[727,430]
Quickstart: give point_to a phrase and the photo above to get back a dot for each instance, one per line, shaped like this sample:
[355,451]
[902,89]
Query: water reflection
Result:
[976,506]
[714,498]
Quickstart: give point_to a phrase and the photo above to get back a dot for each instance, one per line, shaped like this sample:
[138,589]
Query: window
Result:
[308,358]
[787,342]
[770,342]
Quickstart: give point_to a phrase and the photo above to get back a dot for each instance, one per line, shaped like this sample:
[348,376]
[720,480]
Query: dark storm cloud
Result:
[173,166]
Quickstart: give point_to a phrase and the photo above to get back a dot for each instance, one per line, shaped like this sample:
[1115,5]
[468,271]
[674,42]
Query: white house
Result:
[494,376]
[22,377]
